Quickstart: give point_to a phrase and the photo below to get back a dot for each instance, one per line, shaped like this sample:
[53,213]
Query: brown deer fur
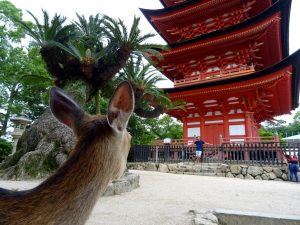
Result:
[69,195]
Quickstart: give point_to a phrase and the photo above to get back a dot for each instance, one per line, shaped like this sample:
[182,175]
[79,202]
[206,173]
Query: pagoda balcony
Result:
[214,75]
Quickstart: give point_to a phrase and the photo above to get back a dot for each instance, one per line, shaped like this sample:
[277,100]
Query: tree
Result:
[21,71]
[23,84]
[5,149]
[91,50]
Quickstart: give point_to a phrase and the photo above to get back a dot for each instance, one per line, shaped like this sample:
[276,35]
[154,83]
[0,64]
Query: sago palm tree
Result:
[93,50]
[150,100]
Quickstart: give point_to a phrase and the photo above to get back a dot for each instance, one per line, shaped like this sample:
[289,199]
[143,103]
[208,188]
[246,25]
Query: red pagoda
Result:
[230,63]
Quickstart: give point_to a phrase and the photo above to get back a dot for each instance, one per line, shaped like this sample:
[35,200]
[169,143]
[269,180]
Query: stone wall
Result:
[216,169]
[126,183]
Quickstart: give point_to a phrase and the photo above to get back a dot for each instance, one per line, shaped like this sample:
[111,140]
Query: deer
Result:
[100,155]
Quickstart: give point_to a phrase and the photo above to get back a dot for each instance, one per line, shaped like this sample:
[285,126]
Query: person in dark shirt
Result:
[294,167]
[199,148]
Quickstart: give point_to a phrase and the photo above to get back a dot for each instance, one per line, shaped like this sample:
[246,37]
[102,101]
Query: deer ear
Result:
[65,109]
[121,107]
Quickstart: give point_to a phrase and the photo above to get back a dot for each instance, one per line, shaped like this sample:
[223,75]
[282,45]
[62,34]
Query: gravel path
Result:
[166,199]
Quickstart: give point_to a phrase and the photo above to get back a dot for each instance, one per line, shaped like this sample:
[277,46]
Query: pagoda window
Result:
[218,113]
[193,123]
[209,101]
[232,99]
[237,129]
[232,65]
[210,57]
[239,111]
[193,131]
[213,121]
[236,120]
[209,114]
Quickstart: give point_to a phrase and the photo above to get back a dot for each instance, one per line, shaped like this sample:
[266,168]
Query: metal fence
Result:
[263,153]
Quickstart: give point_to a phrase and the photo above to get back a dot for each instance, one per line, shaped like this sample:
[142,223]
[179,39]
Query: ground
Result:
[166,199]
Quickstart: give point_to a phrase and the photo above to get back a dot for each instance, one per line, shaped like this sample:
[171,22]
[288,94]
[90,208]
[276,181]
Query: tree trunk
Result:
[156,112]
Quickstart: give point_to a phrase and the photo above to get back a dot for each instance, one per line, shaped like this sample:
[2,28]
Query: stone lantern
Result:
[20,124]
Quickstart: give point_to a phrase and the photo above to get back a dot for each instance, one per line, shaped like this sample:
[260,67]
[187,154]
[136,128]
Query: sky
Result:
[126,9]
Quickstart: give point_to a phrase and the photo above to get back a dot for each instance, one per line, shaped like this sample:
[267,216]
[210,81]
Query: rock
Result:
[141,166]
[204,218]
[60,158]
[244,170]
[265,176]
[249,177]
[150,167]
[121,186]
[240,176]
[268,169]
[258,177]
[126,183]
[133,179]
[235,169]
[46,140]
[223,168]
[255,170]
[277,172]
[163,168]
[284,177]
[272,176]
[172,167]
[230,175]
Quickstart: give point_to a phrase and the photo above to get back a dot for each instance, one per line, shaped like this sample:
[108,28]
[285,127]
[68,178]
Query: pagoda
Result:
[229,61]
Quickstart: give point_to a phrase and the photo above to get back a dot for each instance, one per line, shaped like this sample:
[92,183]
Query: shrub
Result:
[5,148]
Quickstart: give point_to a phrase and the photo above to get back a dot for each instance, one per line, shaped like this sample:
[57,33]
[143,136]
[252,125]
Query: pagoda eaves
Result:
[193,18]
[248,43]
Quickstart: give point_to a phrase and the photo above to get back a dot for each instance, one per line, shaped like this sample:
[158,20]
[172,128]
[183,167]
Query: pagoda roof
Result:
[189,11]
[169,3]
[282,80]
[275,39]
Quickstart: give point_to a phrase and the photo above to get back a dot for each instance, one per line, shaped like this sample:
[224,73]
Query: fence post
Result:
[156,154]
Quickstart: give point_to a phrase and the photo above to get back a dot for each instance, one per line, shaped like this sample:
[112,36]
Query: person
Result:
[294,167]
[199,148]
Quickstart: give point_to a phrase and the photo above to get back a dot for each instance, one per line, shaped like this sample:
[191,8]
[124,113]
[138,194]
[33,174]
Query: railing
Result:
[205,77]
[263,153]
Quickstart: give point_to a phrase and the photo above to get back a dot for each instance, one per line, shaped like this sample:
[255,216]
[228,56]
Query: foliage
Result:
[23,78]
[150,100]
[282,128]
[145,131]
[5,148]
[92,50]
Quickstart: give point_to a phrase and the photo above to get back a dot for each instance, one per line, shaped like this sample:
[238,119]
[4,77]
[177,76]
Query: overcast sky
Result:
[126,9]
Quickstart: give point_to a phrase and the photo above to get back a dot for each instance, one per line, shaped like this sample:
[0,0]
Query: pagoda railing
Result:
[262,153]
[214,75]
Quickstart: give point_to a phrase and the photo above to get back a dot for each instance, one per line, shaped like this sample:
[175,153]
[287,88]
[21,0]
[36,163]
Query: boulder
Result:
[240,176]
[255,170]
[235,169]
[163,168]
[244,170]
[277,172]
[265,176]
[249,177]
[150,167]
[223,168]
[258,177]
[272,176]
[172,167]
[40,150]
[268,169]
[230,175]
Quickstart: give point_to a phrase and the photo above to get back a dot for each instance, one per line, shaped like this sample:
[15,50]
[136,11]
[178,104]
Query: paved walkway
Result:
[165,199]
